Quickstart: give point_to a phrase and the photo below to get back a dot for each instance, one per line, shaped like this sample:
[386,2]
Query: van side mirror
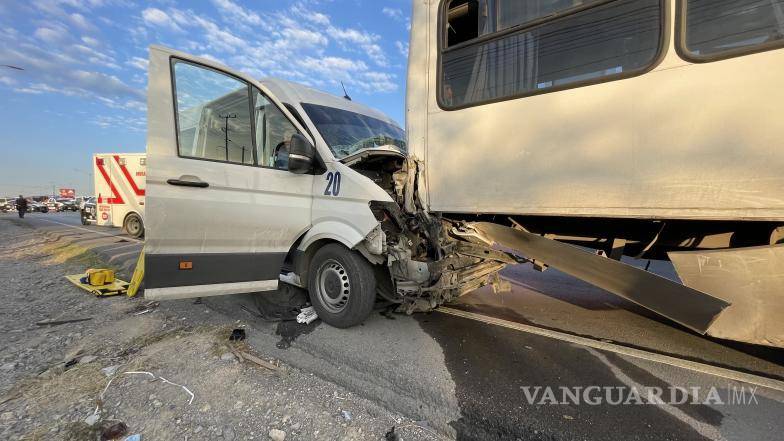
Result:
[301,154]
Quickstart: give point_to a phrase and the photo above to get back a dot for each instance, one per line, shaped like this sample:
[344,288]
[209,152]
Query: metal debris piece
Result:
[307,315]
[62,322]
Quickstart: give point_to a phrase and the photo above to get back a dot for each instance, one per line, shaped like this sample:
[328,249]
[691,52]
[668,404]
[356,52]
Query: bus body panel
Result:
[684,141]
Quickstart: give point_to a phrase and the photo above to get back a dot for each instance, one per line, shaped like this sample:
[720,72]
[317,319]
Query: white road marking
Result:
[623,350]
[704,429]
[93,231]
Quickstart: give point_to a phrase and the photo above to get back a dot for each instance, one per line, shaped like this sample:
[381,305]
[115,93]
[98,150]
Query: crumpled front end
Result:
[430,260]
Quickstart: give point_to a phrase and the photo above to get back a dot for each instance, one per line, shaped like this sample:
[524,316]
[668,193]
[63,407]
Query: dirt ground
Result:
[132,367]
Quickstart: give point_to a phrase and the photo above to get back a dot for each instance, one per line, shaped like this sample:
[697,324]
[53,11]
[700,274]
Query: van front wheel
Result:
[341,285]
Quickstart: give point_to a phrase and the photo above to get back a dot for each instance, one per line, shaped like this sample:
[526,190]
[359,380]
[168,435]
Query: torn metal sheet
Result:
[752,279]
[687,306]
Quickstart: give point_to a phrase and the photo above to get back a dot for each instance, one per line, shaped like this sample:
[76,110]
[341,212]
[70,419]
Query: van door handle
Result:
[192,182]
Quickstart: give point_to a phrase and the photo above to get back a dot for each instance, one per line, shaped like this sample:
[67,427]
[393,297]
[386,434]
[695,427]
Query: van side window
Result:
[273,132]
[721,28]
[213,115]
[537,46]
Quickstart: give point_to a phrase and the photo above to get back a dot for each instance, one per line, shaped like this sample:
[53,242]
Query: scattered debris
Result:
[391,435]
[71,363]
[134,437]
[228,356]
[92,419]
[277,435]
[100,400]
[388,313]
[147,307]
[307,315]
[346,415]
[62,321]
[113,430]
[110,370]
[260,362]
[237,335]
[87,359]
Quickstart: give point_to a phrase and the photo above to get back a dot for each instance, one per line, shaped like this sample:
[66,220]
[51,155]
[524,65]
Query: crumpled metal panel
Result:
[752,279]
[687,306]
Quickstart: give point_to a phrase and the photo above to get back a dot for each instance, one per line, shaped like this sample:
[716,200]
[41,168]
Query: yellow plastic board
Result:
[110,289]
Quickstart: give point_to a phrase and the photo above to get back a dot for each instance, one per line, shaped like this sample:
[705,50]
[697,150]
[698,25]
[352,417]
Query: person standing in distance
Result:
[21,206]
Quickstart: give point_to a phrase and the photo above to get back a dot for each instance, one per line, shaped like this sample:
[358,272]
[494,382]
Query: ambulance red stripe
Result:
[136,189]
[116,198]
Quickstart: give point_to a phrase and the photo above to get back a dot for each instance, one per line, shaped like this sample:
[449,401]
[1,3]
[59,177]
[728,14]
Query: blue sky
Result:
[83,87]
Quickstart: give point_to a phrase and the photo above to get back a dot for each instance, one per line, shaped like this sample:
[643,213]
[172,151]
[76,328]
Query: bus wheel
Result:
[134,226]
[341,285]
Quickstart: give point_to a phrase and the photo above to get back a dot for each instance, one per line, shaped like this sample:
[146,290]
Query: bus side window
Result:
[722,28]
[462,21]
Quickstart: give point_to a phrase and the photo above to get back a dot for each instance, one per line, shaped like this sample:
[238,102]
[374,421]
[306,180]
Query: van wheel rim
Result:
[333,287]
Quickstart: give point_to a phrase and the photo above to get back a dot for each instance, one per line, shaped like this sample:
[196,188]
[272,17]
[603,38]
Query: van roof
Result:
[290,92]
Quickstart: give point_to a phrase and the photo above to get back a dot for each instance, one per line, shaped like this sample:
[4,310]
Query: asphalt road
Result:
[482,370]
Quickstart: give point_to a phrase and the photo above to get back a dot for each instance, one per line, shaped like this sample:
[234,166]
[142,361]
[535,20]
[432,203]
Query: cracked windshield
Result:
[347,132]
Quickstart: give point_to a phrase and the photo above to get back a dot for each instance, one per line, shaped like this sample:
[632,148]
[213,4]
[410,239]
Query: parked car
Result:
[67,205]
[7,204]
[88,210]
[37,207]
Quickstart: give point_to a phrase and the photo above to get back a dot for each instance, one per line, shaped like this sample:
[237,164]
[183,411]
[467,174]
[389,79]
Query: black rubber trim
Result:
[163,270]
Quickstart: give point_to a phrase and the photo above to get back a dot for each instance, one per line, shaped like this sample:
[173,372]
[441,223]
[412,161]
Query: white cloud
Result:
[233,11]
[365,40]
[90,41]
[51,35]
[80,22]
[156,17]
[402,48]
[302,38]
[393,13]
[138,62]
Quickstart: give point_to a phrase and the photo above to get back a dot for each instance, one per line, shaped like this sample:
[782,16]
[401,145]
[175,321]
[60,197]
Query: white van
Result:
[249,181]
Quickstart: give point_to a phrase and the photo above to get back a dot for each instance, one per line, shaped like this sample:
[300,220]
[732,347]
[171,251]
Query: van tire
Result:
[341,285]
[133,225]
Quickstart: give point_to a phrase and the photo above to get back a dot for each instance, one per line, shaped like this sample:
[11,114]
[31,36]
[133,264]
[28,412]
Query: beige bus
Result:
[639,127]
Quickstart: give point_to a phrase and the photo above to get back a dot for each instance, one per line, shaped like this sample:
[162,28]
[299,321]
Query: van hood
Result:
[363,154]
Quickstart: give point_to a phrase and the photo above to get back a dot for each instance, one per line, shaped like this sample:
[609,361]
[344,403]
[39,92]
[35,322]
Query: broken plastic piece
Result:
[307,315]
[237,335]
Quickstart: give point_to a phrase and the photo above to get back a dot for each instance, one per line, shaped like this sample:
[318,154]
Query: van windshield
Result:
[347,132]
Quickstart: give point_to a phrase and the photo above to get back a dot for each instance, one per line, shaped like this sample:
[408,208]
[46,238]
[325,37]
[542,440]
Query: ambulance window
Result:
[213,115]
[273,133]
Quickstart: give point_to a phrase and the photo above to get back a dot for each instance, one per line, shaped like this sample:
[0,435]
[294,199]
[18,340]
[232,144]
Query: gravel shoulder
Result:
[57,379]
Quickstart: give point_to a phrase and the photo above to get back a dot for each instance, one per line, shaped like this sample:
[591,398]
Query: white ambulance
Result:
[119,191]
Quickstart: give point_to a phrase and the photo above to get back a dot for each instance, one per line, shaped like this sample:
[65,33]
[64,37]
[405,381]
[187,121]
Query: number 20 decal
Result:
[333,184]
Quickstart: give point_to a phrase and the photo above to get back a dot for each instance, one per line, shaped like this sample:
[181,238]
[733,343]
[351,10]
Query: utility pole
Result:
[225,129]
